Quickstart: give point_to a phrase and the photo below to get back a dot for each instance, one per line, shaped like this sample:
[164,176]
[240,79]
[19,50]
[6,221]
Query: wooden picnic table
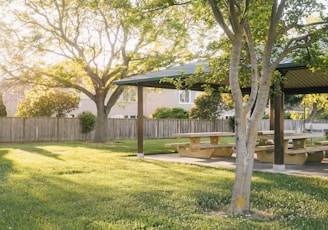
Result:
[267,141]
[295,153]
[268,132]
[196,148]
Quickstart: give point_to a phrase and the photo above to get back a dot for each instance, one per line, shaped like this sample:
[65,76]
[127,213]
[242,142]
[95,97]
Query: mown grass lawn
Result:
[98,186]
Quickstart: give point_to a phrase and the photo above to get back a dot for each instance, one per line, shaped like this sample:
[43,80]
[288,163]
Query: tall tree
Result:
[262,33]
[86,45]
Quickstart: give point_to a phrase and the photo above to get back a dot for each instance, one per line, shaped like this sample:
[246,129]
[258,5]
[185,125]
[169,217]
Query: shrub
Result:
[3,110]
[87,121]
[232,123]
[171,113]
[208,106]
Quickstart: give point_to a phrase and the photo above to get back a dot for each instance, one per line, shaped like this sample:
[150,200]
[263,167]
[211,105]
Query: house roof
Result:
[299,79]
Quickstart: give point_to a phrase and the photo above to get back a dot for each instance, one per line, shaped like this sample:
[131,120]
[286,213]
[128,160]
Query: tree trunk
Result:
[244,157]
[101,125]
[240,201]
[314,113]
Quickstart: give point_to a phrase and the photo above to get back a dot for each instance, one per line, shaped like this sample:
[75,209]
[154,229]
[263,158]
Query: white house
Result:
[126,107]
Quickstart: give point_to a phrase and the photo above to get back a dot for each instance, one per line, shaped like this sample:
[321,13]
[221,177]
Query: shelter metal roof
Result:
[299,79]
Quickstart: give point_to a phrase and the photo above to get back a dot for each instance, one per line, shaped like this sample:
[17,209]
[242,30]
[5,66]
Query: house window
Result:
[186,96]
[129,95]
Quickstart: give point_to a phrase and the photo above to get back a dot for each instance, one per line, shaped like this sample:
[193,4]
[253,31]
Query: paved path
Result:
[309,169]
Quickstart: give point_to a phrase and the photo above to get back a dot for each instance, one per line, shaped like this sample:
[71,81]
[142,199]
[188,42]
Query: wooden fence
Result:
[14,129]
[23,129]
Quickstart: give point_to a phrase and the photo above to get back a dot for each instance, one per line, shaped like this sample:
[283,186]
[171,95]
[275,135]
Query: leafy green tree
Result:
[316,105]
[172,113]
[3,110]
[86,45]
[208,106]
[47,103]
[258,36]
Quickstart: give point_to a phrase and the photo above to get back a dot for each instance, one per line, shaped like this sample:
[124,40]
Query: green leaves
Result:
[174,113]
[3,110]
[87,121]
[208,106]
[46,103]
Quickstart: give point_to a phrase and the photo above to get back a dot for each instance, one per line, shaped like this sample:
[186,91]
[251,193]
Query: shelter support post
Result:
[140,135]
[278,129]
[271,117]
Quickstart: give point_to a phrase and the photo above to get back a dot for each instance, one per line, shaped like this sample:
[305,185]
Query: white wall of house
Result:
[154,99]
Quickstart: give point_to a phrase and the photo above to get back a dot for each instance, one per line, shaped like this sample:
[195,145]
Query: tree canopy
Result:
[86,45]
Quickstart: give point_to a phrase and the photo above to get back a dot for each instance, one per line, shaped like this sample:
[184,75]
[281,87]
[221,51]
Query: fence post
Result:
[24,133]
[58,129]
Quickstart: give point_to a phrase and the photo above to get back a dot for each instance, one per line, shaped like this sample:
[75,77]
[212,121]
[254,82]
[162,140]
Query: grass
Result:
[97,186]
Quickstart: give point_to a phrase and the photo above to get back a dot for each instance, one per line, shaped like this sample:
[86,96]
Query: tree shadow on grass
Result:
[6,166]
[130,147]
[36,150]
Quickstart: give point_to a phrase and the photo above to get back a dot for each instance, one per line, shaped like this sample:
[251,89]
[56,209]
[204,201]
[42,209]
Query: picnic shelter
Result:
[298,80]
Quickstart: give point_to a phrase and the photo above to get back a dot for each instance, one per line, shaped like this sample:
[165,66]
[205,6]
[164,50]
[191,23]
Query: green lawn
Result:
[98,186]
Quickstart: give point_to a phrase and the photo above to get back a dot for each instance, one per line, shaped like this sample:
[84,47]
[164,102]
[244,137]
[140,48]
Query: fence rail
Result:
[17,129]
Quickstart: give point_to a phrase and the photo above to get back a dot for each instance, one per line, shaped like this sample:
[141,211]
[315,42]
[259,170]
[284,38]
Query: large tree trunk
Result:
[101,125]
[103,111]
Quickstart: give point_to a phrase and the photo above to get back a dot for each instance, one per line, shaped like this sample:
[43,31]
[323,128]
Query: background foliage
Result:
[174,113]
[208,106]
[3,110]
[41,102]
[87,121]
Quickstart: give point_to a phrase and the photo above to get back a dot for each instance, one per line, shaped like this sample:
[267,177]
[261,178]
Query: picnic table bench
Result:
[295,153]
[196,148]
[321,143]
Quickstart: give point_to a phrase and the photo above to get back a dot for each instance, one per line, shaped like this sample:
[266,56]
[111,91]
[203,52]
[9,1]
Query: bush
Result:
[3,110]
[208,106]
[174,113]
[232,122]
[87,121]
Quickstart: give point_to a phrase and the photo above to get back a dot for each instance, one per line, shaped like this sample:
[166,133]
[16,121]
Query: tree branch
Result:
[254,66]
[165,6]
[220,19]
